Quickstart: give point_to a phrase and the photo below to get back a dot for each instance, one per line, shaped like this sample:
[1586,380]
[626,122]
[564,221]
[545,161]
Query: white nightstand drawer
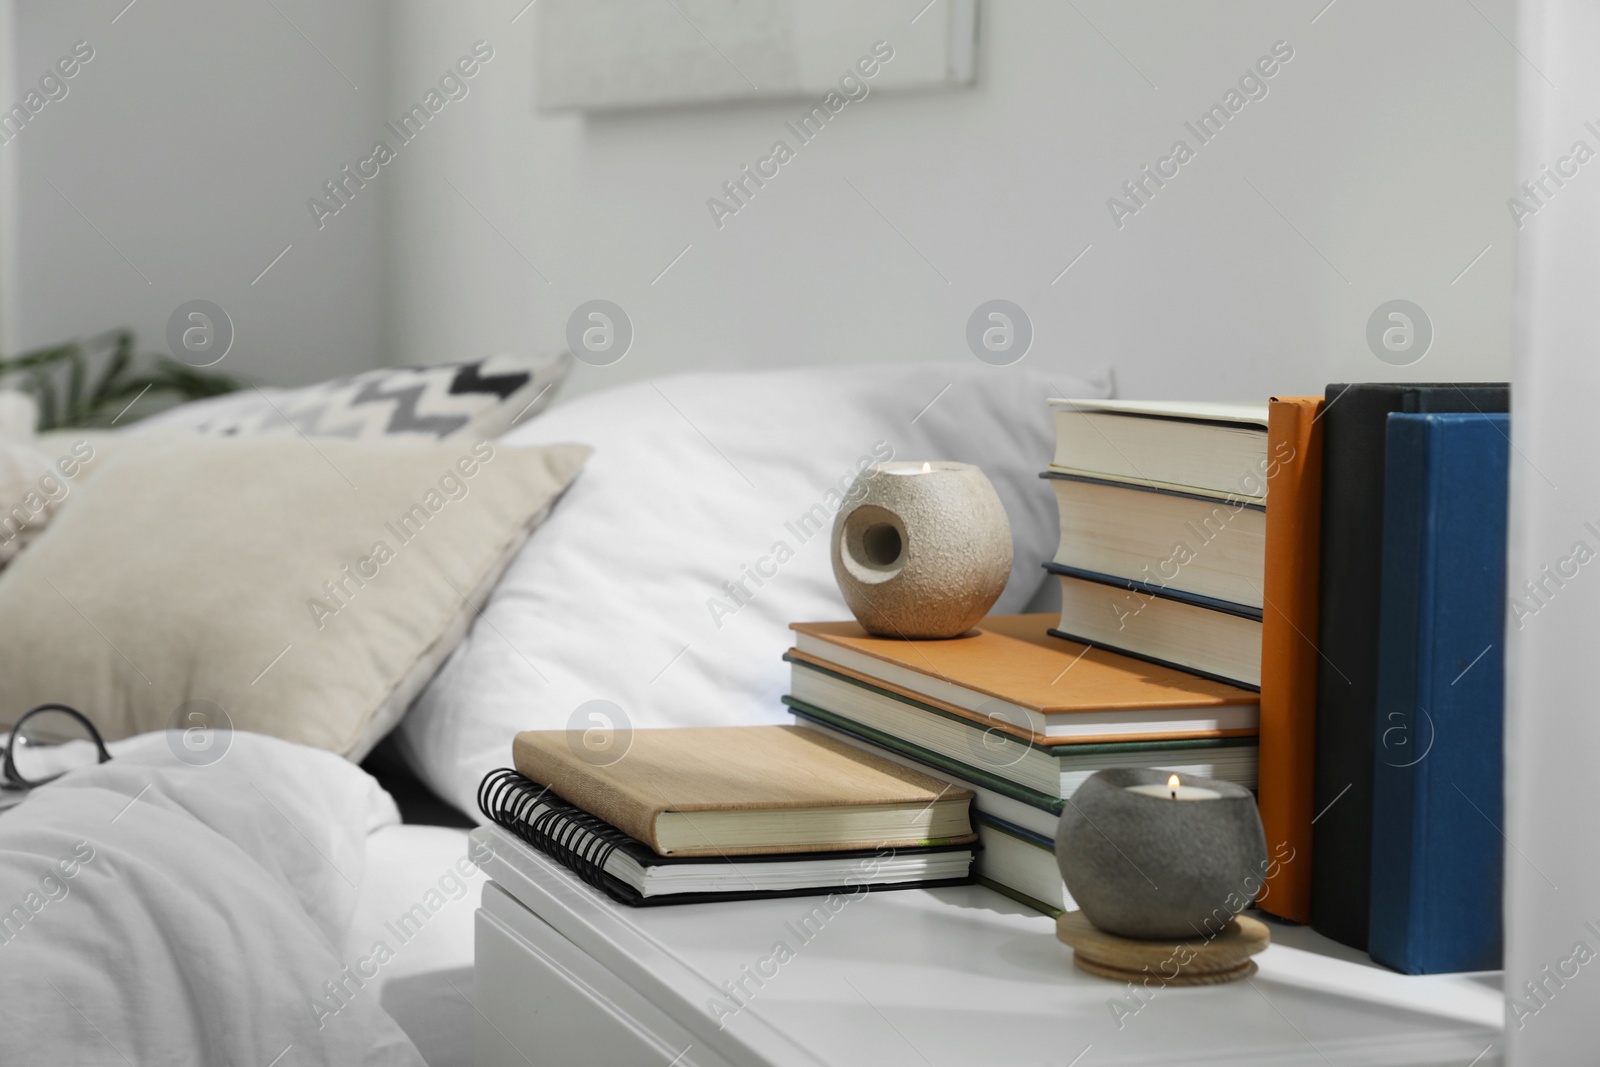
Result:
[958,975]
[543,1001]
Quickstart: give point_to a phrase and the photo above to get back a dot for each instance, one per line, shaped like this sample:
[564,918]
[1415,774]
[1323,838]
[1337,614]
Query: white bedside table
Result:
[940,977]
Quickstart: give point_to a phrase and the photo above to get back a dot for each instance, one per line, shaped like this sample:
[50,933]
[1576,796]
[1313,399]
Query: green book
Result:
[1053,769]
[1025,807]
[1020,864]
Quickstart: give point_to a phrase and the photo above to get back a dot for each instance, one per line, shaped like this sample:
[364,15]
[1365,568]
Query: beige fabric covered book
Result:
[748,790]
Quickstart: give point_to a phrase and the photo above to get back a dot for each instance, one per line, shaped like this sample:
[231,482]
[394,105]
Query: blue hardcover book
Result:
[1437,804]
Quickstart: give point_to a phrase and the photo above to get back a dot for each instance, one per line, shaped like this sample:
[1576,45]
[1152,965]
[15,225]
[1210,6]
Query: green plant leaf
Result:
[39,357]
[115,368]
[75,406]
[66,399]
[45,392]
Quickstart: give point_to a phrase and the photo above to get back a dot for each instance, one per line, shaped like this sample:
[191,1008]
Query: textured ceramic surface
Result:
[1152,867]
[921,553]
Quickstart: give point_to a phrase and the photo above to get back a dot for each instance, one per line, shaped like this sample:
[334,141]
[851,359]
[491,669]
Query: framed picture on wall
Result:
[602,55]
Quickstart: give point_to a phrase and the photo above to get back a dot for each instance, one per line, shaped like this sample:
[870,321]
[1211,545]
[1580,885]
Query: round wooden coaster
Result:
[1196,961]
[1244,970]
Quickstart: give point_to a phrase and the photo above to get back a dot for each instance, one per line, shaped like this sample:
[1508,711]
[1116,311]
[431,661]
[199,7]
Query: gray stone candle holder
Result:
[1151,867]
[921,553]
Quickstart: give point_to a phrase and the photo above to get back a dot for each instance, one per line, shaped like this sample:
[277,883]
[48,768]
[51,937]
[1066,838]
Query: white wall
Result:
[8,199]
[1552,734]
[1380,162]
[195,137]
[191,142]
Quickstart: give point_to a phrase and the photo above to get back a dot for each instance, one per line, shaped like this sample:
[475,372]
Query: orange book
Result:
[1009,674]
[1289,650]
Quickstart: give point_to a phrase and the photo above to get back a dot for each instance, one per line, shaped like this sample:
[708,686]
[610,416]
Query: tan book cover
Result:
[1012,658]
[748,790]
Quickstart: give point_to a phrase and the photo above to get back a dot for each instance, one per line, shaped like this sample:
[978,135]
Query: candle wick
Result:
[1174,794]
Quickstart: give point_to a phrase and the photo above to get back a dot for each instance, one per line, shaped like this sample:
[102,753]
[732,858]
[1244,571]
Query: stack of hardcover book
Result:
[694,814]
[1163,531]
[1021,719]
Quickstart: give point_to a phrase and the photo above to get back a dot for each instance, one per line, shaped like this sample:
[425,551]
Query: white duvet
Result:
[154,912]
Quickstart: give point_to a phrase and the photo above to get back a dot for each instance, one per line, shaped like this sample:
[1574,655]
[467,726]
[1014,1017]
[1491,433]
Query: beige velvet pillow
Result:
[307,590]
[37,475]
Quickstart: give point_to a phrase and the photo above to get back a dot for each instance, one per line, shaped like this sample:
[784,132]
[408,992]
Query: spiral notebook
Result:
[631,873]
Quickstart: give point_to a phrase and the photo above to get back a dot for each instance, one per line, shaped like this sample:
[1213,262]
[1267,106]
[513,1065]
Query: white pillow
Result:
[695,481]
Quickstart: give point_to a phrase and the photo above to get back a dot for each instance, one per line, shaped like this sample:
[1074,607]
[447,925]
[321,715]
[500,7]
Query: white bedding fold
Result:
[157,912]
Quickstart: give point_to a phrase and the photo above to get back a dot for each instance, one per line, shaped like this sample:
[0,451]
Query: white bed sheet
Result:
[153,911]
[418,897]
[258,877]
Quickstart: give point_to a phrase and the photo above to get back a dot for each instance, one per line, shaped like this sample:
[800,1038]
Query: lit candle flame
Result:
[1172,784]
[927,468]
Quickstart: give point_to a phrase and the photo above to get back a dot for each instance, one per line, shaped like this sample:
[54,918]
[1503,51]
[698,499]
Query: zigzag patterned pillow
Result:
[476,400]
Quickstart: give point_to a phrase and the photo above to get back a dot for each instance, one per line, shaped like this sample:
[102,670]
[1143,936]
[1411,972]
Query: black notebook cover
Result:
[1355,419]
[582,843]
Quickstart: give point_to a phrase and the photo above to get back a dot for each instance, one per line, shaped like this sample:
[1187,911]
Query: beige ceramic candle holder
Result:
[923,550]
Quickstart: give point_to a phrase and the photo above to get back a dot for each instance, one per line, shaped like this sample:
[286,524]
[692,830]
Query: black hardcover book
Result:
[1355,420]
[631,873]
